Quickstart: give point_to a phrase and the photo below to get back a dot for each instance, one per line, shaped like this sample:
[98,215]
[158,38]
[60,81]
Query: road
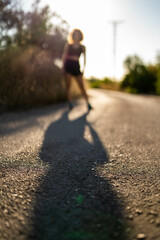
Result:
[78,175]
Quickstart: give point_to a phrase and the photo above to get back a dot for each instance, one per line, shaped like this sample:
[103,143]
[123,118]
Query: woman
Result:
[71,66]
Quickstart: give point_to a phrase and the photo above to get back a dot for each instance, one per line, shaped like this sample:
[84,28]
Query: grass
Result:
[105,83]
[28,78]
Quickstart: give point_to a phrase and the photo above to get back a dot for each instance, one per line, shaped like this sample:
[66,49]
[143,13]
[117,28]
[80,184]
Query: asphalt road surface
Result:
[82,176]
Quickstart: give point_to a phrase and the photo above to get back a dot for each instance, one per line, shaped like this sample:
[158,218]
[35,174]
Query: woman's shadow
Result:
[73,201]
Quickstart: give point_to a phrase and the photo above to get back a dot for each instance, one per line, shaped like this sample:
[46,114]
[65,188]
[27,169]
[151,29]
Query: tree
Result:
[8,21]
[158,73]
[34,28]
[139,78]
[29,45]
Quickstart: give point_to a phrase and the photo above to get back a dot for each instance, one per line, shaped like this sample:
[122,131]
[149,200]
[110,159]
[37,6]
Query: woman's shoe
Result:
[70,105]
[89,107]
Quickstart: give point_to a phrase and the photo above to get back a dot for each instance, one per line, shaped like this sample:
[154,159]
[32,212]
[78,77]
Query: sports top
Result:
[74,51]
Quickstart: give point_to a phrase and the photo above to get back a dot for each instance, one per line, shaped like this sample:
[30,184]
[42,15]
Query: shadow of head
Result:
[69,140]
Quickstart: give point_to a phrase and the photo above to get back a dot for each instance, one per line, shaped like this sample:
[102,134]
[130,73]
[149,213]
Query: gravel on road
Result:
[82,176]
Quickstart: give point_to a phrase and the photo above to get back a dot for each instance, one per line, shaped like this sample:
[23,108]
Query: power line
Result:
[115,24]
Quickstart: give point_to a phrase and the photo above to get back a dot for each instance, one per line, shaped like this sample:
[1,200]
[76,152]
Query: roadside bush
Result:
[29,77]
[139,78]
[30,44]
[104,83]
[158,82]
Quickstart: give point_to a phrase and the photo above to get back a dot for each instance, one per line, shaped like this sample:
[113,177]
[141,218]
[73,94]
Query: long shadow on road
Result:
[73,201]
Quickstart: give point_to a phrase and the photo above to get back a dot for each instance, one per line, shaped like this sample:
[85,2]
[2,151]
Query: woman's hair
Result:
[73,33]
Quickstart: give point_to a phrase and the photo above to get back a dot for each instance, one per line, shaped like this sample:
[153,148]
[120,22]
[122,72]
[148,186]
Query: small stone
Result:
[130,217]
[7,224]
[138,211]
[128,230]
[128,208]
[5,211]
[158,222]
[141,236]
[153,213]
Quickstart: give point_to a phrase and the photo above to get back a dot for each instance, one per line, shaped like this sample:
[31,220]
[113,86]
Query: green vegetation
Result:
[30,46]
[141,78]
[104,83]
[158,74]
[158,82]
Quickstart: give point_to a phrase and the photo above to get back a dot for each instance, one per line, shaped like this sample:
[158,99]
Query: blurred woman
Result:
[72,52]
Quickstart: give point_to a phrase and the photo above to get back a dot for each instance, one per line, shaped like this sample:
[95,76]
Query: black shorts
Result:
[72,67]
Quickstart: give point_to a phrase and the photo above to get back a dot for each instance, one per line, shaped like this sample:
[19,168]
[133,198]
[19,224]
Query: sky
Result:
[137,32]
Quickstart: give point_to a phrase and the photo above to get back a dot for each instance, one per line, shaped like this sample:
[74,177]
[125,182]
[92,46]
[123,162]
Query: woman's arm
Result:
[84,54]
[65,51]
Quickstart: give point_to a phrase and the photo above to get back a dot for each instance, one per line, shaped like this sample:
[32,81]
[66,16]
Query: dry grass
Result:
[29,77]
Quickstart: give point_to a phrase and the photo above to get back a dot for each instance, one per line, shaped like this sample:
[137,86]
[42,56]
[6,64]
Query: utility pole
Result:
[115,23]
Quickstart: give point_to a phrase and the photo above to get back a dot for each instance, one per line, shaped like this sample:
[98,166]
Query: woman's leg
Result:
[68,86]
[79,80]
